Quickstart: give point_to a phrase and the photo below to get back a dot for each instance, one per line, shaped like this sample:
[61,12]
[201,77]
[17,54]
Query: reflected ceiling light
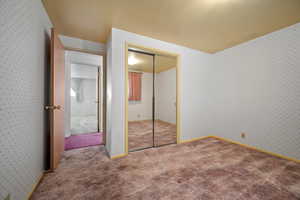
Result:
[132,60]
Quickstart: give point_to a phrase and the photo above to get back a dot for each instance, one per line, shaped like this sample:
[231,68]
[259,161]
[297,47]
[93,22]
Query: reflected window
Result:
[135,86]
[72,93]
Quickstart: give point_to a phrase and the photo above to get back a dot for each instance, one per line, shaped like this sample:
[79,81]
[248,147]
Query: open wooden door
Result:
[57,100]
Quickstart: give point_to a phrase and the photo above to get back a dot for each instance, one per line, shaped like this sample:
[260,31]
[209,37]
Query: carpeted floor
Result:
[204,170]
[140,134]
[83,140]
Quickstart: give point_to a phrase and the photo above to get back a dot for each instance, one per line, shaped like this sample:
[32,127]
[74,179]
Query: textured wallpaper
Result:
[252,88]
[24,29]
[257,91]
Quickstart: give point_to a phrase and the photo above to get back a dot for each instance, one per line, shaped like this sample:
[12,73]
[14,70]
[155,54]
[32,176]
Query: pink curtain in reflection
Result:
[135,86]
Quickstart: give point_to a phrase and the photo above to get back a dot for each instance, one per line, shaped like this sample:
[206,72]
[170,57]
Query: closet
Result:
[152,96]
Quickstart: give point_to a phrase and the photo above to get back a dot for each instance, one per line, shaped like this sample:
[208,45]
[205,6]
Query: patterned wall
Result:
[24,29]
[257,91]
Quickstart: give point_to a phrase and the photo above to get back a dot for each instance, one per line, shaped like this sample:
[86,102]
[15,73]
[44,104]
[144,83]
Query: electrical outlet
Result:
[243,135]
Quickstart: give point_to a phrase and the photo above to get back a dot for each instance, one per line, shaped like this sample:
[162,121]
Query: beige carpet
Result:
[208,169]
[140,134]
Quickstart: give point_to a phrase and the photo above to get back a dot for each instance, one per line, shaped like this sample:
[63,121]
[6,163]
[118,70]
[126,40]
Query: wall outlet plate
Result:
[243,135]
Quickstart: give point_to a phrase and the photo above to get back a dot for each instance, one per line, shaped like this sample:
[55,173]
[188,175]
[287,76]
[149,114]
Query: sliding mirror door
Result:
[140,100]
[165,100]
[152,95]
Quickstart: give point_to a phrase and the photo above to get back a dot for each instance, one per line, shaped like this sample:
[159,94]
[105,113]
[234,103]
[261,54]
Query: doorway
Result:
[152,98]
[88,71]
[84,100]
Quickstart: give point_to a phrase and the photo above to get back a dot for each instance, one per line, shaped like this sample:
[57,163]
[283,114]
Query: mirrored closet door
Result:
[140,104]
[165,100]
[151,100]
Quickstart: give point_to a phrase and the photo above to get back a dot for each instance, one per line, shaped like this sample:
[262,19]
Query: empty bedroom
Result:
[150,100]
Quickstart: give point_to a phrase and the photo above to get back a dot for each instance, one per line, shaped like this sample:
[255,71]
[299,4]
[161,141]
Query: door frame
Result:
[101,83]
[178,89]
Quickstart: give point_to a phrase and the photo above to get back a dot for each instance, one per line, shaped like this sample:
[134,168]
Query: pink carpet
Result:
[84,140]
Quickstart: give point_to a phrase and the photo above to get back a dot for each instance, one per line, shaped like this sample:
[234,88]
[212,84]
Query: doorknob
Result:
[55,107]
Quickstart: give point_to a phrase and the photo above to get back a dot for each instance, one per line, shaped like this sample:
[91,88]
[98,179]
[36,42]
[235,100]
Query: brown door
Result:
[56,108]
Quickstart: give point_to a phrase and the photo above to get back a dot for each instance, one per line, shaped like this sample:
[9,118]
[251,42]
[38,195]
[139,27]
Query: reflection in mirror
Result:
[140,94]
[151,100]
[165,100]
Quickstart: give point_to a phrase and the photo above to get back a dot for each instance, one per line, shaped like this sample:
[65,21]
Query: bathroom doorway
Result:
[84,100]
